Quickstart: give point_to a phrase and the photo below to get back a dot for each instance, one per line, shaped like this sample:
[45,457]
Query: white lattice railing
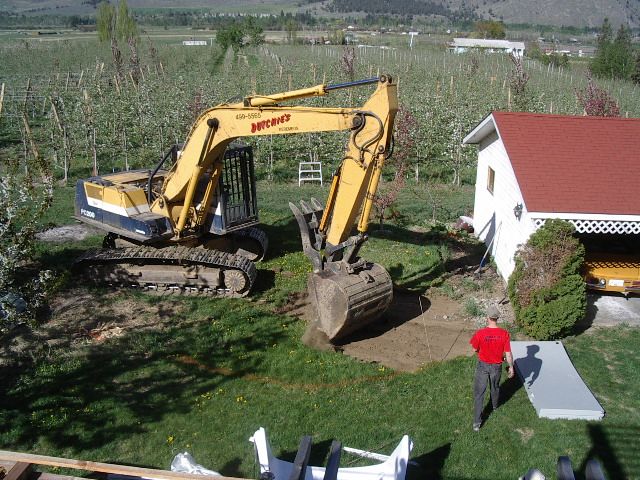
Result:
[598,226]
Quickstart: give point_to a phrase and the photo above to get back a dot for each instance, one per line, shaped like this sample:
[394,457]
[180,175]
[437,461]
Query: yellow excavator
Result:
[192,227]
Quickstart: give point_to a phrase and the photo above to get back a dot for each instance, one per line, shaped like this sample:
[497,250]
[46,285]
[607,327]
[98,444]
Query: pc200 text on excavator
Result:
[193,226]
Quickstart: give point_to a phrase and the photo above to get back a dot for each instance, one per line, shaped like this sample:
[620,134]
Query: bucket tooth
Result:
[306,208]
[308,237]
[317,205]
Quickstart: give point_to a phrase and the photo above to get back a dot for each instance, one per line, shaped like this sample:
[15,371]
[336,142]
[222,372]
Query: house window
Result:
[490,179]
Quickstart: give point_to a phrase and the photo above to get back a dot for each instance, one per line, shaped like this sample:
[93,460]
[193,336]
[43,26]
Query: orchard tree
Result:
[126,28]
[406,129]
[106,21]
[524,98]
[253,31]
[348,62]
[231,35]
[24,197]
[635,77]
[623,60]
[115,24]
[291,27]
[606,33]
[118,25]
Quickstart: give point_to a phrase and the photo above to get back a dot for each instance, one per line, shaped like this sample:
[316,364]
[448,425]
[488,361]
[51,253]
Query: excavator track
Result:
[173,269]
[252,243]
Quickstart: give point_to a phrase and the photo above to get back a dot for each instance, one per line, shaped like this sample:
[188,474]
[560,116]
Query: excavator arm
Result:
[347,292]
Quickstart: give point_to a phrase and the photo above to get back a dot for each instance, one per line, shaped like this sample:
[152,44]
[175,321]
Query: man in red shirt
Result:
[491,343]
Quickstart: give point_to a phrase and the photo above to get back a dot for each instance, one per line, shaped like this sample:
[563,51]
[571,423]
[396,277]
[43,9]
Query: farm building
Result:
[194,42]
[534,167]
[461,45]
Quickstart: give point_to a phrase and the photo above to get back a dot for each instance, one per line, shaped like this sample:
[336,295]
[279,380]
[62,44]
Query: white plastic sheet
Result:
[184,462]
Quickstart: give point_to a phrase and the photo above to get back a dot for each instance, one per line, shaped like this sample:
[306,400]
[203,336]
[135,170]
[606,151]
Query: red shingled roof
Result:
[574,164]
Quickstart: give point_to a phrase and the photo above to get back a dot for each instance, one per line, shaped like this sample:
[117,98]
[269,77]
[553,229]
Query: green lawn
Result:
[227,367]
[216,370]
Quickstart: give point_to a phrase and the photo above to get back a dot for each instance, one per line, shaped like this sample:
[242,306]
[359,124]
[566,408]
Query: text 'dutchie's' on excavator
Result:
[192,227]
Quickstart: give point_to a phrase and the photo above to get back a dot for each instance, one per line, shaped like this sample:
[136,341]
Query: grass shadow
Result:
[590,315]
[284,237]
[317,457]
[508,389]
[615,446]
[430,464]
[113,389]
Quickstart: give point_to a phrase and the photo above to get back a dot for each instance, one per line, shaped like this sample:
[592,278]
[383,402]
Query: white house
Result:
[461,45]
[532,167]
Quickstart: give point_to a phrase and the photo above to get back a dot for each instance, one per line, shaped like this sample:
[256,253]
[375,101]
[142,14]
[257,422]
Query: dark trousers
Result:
[485,372]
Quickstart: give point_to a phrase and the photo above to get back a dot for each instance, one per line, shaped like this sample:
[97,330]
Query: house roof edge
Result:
[484,128]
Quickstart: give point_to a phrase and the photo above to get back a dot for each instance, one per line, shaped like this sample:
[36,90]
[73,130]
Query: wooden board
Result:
[101,467]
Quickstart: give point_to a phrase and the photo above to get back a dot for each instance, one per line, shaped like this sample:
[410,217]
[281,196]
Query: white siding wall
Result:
[493,213]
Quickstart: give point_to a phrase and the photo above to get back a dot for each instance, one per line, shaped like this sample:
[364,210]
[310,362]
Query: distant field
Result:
[66,7]
[173,36]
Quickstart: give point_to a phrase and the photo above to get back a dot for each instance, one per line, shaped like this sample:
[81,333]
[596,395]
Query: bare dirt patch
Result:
[418,329]
[81,317]
[408,337]
[421,329]
[526,434]
[67,233]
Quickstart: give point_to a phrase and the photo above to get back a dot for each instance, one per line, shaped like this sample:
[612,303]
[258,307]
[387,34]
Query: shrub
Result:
[472,308]
[546,290]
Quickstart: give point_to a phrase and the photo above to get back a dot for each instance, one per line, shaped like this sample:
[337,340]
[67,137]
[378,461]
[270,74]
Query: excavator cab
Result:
[235,205]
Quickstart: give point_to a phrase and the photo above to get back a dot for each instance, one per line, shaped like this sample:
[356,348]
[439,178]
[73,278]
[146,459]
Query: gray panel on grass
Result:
[552,383]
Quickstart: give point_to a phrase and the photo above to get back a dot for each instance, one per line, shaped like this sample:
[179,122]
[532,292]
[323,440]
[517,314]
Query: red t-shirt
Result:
[491,343]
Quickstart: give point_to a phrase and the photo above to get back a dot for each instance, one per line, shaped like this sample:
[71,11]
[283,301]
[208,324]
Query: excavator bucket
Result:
[346,302]
[344,299]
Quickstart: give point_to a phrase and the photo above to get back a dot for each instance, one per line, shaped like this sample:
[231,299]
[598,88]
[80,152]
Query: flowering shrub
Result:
[22,203]
[596,101]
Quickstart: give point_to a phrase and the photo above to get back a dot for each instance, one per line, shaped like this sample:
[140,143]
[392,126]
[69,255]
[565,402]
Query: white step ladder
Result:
[310,172]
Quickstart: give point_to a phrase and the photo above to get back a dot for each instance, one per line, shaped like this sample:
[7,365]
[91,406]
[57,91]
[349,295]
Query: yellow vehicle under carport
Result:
[611,272]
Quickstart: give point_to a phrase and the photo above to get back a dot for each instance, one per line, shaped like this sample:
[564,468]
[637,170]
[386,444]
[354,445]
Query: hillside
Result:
[589,13]
[579,13]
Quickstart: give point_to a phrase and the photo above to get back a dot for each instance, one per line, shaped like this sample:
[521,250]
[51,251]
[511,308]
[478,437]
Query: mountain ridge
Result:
[574,13]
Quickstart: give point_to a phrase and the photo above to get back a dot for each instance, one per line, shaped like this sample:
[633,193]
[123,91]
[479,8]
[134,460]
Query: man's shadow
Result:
[528,369]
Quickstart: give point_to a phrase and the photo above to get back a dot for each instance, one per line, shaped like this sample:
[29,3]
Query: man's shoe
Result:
[476,427]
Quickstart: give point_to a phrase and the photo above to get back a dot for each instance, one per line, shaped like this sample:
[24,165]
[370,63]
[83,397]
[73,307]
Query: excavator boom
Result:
[346,291]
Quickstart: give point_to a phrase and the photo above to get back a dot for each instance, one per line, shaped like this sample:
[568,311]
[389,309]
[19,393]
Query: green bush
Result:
[546,289]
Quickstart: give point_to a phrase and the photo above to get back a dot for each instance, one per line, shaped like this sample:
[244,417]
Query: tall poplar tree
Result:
[614,57]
